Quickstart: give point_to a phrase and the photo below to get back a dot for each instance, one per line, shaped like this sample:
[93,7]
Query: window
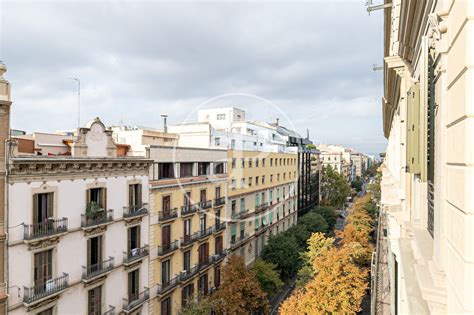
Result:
[250,182]
[185,169]
[166,235]
[135,196]
[256,180]
[233,184]
[284,176]
[242,182]
[217,141]
[271,178]
[256,200]
[263,197]
[233,207]
[43,268]
[220,116]
[97,196]
[217,277]
[263,162]
[187,260]
[165,272]
[278,177]
[242,204]
[166,306]
[43,207]
[166,204]
[94,301]
[233,162]
[187,199]
[204,168]
[271,196]
[202,222]
[256,162]
[242,162]
[217,218]
[49,311]
[187,229]
[276,162]
[187,294]
[133,285]
[233,232]
[219,168]
[133,240]
[218,192]
[203,195]
[202,284]
[232,144]
[218,247]
[271,161]
[165,170]
[94,253]
[263,179]
[242,230]
[250,162]
[203,253]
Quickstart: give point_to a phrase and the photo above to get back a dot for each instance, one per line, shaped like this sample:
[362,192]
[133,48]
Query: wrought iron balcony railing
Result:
[204,233]
[135,210]
[168,214]
[188,209]
[204,262]
[48,228]
[135,300]
[167,248]
[167,285]
[98,217]
[187,274]
[110,311]
[205,204]
[219,227]
[97,269]
[135,254]
[189,239]
[219,201]
[236,241]
[45,289]
[240,214]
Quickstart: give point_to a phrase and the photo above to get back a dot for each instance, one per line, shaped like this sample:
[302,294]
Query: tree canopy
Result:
[282,250]
[268,276]
[334,188]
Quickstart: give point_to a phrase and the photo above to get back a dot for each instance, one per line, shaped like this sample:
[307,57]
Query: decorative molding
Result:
[95,230]
[134,220]
[43,303]
[44,243]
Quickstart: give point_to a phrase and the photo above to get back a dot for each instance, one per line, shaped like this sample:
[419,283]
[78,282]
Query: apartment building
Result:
[77,225]
[188,223]
[428,173]
[263,174]
[359,163]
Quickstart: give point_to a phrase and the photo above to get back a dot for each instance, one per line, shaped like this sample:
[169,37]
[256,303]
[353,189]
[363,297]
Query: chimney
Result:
[165,126]
[277,121]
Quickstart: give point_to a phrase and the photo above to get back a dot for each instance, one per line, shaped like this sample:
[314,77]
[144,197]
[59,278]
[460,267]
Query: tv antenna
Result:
[375,67]
[373,7]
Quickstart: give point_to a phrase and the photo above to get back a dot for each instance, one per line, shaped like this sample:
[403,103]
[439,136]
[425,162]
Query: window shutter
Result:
[35,208]
[104,198]
[130,196]
[88,196]
[413,129]
[49,205]
[139,194]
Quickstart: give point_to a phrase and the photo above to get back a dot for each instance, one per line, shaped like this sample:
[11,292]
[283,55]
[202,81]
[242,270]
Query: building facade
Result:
[187,224]
[78,227]
[428,167]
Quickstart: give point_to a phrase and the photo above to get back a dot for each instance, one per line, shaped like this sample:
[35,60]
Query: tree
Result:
[300,233]
[240,291]
[282,250]
[334,188]
[329,215]
[357,185]
[268,276]
[201,306]
[314,222]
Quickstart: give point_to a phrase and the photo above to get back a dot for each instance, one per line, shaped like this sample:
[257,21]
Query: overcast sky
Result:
[308,63]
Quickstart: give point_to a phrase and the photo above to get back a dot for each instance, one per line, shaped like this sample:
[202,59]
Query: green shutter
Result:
[413,130]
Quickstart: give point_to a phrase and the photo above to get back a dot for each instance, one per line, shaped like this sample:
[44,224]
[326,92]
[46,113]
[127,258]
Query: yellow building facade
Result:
[262,199]
[188,202]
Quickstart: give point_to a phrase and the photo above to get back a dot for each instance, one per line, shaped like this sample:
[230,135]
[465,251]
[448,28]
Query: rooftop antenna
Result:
[372,7]
[165,127]
[78,101]
[376,68]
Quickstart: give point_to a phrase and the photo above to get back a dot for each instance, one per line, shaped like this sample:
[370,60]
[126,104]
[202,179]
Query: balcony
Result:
[167,286]
[236,242]
[204,263]
[135,300]
[135,211]
[110,311]
[218,256]
[135,254]
[51,227]
[219,201]
[261,207]
[50,288]
[240,215]
[219,227]
[203,205]
[189,209]
[188,274]
[189,239]
[165,249]
[94,218]
[167,215]
[205,233]
[97,270]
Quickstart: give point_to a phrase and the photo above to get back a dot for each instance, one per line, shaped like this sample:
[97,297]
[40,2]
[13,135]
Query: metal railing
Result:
[135,210]
[97,269]
[261,207]
[44,229]
[218,256]
[135,254]
[205,204]
[187,274]
[219,201]
[169,214]
[97,218]
[167,248]
[219,226]
[204,263]
[168,285]
[239,239]
[110,311]
[45,289]
[136,299]
[188,239]
[204,233]
[188,209]
[240,214]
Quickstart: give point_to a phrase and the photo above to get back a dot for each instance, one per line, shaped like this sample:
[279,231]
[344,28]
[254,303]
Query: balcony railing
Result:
[97,269]
[187,274]
[134,300]
[167,248]
[43,290]
[44,229]
[135,210]
[188,209]
[261,207]
[238,240]
[168,285]
[169,214]
[240,214]
[110,311]
[219,201]
[204,263]
[204,233]
[205,204]
[219,227]
[135,254]
[96,218]
[189,239]
[218,256]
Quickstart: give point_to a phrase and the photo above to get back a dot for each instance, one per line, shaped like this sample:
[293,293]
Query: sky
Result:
[308,63]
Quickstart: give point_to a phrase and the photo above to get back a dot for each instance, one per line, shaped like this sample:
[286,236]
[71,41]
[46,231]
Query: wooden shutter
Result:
[130,196]
[139,195]
[35,208]
[49,205]
[88,196]
[413,130]
[103,198]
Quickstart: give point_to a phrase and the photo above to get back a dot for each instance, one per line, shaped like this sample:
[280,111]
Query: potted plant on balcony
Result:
[93,211]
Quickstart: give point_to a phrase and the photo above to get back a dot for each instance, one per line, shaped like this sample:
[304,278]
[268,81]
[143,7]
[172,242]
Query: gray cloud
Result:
[139,59]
